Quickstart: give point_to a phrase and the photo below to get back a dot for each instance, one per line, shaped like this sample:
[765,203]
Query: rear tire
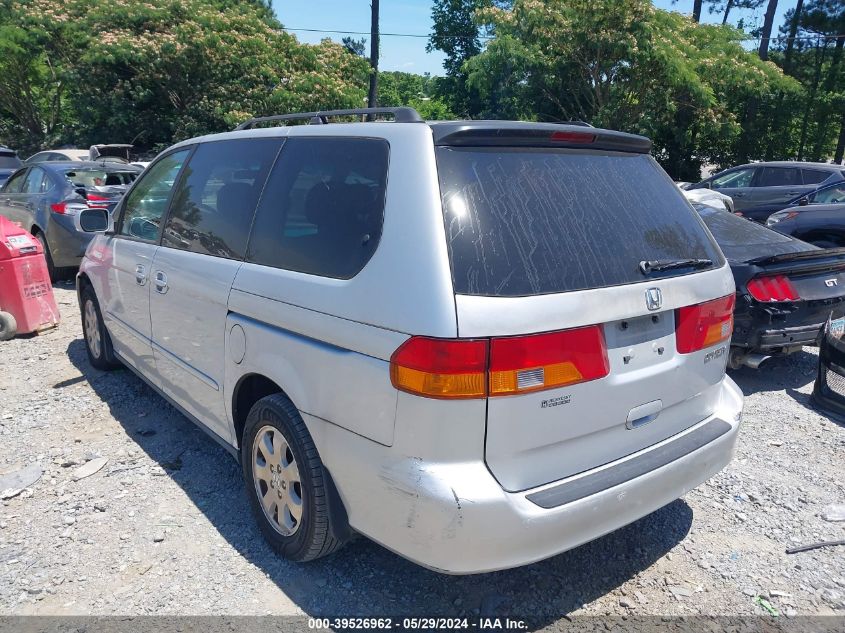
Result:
[97,340]
[51,268]
[8,326]
[287,484]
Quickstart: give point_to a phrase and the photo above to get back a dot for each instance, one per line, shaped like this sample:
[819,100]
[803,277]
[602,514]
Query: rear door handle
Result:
[160,282]
[793,193]
[141,274]
[738,195]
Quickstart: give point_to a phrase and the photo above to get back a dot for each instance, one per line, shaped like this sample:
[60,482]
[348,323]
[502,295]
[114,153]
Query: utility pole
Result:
[372,99]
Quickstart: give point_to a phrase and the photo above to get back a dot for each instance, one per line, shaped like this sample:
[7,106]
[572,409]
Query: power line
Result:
[381,33]
[747,38]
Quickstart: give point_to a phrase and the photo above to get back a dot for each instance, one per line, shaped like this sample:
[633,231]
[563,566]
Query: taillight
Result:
[97,202]
[543,361]
[704,324]
[59,207]
[582,138]
[772,289]
[441,368]
[472,368]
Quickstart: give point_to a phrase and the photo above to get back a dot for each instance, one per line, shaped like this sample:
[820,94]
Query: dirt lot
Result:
[163,526]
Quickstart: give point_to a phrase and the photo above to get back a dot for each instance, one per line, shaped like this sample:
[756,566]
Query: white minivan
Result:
[478,343]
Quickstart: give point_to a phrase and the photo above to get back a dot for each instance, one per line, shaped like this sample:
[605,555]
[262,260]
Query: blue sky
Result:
[414,16]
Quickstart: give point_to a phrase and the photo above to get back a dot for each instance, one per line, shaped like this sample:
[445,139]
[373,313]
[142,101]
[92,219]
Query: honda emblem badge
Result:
[653,299]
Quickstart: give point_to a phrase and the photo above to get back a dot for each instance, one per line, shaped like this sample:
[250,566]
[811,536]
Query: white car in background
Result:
[710,198]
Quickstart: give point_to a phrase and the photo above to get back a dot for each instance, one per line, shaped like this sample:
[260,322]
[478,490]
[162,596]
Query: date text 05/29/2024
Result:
[418,623]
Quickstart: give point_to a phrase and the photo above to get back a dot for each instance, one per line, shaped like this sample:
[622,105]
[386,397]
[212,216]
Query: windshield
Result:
[99,177]
[526,221]
[831,195]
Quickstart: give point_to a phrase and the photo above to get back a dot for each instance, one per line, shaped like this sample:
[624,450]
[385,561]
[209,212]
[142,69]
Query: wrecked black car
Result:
[786,289]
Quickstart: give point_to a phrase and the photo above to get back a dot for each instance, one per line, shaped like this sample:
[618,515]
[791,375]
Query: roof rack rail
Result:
[400,115]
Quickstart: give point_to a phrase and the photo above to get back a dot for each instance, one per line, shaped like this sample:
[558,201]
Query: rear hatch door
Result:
[547,239]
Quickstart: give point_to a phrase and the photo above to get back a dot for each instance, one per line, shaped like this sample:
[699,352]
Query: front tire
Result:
[8,326]
[97,340]
[287,484]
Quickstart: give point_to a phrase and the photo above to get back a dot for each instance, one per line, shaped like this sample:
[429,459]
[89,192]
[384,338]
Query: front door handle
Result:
[160,282]
[793,193]
[141,274]
[738,195]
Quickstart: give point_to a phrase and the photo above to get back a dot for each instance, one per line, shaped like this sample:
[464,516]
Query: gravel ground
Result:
[164,527]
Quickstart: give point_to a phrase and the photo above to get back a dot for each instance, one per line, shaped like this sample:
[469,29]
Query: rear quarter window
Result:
[323,207]
[523,221]
[9,160]
[814,176]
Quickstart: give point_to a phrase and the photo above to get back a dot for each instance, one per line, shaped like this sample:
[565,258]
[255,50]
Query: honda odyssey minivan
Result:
[478,343]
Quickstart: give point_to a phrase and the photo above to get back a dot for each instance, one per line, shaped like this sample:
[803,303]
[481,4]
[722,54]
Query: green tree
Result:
[626,65]
[457,33]
[355,46]
[417,91]
[156,72]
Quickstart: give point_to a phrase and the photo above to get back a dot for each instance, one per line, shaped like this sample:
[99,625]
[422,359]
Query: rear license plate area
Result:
[640,341]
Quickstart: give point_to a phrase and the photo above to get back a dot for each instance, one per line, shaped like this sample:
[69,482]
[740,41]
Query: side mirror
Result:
[803,202]
[95,220]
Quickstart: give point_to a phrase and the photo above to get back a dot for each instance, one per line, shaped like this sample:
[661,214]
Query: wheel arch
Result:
[249,389]
[82,280]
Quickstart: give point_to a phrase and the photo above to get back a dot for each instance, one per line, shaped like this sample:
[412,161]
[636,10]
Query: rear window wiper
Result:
[658,265]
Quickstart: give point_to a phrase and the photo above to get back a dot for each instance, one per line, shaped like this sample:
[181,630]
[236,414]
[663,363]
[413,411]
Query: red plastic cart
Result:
[26,295]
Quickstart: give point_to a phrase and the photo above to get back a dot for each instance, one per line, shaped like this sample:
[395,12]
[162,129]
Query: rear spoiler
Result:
[524,134]
[823,253]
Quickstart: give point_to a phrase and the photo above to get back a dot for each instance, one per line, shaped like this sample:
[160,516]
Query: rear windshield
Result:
[100,177]
[526,221]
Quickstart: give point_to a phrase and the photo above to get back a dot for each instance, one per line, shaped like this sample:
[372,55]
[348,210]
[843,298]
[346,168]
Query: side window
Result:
[831,195]
[814,176]
[778,177]
[33,181]
[736,178]
[46,182]
[323,207]
[14,184]
[145,205]
[213,206]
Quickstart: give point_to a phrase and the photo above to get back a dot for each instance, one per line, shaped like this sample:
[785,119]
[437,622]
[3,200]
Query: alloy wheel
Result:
[277,481]
[92,329]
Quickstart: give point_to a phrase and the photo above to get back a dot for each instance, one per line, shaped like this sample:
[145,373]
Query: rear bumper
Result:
[770,329]
[456,518]
[786,337]
[67,244]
